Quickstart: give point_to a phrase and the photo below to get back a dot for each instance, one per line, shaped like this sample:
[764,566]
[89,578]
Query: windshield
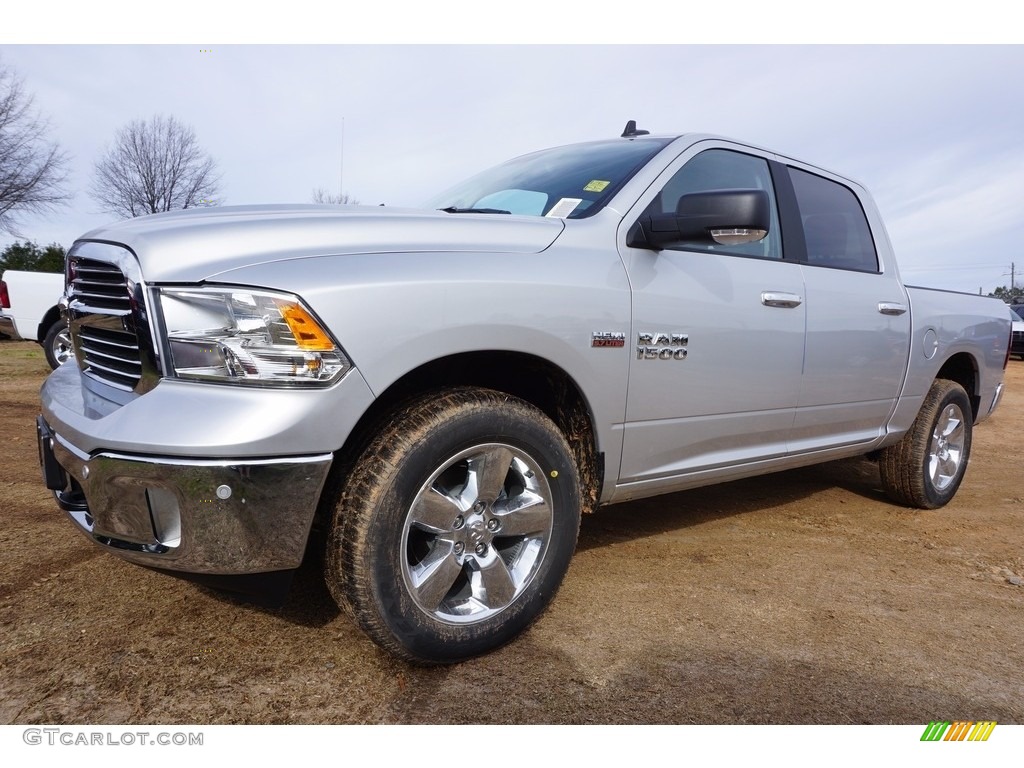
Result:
[1015,317]
[567,182]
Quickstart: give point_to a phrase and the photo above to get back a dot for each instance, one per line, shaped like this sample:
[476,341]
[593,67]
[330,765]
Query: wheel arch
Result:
[52,316]
[963,369]
[536,380]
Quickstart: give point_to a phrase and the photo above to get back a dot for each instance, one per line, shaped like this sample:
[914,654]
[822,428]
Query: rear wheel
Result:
[456,526]
[57,344]
[926,467]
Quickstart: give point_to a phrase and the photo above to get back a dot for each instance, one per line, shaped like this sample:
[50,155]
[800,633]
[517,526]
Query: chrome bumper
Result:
[8,327]
[196,516]
[995,399]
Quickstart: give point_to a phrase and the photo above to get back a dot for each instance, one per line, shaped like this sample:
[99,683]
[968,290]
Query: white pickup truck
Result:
[29,310]
[445,390]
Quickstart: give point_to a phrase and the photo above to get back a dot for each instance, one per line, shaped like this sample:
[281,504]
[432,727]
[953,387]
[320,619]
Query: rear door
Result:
[858,318]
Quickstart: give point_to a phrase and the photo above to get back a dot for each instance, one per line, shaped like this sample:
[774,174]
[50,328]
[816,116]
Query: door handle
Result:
[781,299]
[891,308]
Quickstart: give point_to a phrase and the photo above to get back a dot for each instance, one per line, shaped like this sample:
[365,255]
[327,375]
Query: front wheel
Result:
[57,344]
[456,526]
[926,467]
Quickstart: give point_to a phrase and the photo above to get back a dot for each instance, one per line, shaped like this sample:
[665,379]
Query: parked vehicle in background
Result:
[446,390]
[1017,343]
[29,310]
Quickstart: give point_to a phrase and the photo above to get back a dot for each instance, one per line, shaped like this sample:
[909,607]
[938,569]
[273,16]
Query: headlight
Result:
[247,337]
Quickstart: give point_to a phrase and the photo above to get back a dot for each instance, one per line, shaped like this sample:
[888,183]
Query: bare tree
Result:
[154,166]
[32,168]
[322,197]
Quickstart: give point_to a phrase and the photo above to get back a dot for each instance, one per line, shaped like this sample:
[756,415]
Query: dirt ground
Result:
[801,597]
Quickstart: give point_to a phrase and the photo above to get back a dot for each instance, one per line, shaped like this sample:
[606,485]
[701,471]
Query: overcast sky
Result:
[935,132]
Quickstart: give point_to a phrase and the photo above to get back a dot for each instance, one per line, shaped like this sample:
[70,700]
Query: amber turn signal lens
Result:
[308,334]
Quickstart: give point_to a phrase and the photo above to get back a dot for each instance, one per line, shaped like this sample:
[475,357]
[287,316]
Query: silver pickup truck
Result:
[444,391]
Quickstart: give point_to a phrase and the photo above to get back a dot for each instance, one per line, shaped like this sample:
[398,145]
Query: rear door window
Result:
[835,228]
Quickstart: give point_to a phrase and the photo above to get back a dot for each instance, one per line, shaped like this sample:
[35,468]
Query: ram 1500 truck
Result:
[446,390]
[29,309]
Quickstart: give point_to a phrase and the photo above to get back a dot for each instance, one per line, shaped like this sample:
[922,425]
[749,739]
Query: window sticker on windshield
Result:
[596,186]
[564,207]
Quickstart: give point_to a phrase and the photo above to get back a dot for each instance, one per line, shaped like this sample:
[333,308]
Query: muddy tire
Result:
[456,526]
[926,467]
[57,344]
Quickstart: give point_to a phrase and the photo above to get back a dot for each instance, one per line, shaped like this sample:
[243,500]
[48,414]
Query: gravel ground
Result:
[800,597]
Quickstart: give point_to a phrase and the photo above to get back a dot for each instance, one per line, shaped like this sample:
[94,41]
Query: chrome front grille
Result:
[111,355]
[99,285]
[104,316]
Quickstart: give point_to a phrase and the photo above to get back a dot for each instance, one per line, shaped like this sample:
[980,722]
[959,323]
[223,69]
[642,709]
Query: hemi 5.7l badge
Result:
[661,346]
[607,339]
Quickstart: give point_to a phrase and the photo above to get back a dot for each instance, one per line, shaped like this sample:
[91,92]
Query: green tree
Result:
[29,257]
[1014,295]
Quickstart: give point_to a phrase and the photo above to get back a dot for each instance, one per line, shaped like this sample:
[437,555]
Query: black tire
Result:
[926,467]
[456,526]
[57,344]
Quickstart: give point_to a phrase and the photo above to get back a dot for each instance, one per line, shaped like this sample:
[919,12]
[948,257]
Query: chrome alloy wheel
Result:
[946,448]
[61,349]
[476,533]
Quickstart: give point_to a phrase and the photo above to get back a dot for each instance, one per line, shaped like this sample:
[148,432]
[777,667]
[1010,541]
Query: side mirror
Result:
[724,216]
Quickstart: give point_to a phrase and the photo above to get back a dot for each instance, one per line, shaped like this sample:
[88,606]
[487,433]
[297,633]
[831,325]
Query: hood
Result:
[200,243]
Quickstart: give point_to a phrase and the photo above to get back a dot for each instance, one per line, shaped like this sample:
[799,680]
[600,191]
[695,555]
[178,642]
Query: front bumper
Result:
[197,516]
[194,479]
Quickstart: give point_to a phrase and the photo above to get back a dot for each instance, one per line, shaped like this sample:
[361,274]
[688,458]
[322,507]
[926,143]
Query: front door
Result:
[717,337]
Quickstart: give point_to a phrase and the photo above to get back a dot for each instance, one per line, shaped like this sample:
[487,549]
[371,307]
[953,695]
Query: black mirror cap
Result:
[728,216]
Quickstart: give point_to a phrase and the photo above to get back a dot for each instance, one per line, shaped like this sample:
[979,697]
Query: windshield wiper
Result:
[453,209]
